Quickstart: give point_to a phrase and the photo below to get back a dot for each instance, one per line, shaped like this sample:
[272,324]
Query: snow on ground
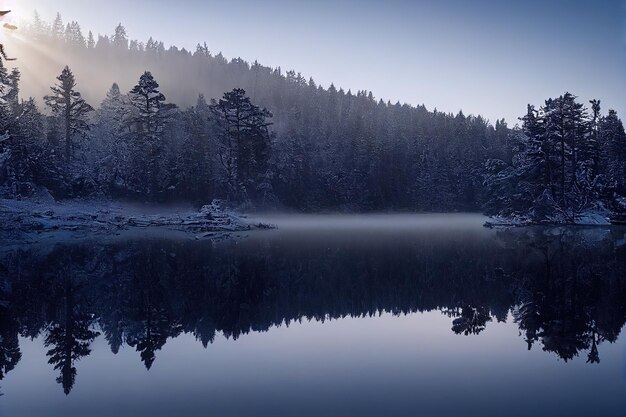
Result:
[588,218]
[592,218]
[37,219]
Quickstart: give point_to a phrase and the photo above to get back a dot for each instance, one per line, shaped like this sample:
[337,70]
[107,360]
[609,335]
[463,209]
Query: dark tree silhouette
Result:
[69,337]
[244,145]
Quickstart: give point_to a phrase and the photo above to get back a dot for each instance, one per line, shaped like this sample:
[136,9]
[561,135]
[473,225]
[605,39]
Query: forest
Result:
[193,126]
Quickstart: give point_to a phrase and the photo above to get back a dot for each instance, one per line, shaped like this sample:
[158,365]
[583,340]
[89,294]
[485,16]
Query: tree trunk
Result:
[68,133]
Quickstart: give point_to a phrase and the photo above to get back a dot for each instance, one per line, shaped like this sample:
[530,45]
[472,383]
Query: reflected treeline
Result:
[565,289]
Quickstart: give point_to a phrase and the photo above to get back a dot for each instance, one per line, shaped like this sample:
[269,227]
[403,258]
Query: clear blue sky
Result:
[488,57]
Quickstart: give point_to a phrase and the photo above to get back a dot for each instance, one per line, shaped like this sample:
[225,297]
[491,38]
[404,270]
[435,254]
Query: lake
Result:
[327,315]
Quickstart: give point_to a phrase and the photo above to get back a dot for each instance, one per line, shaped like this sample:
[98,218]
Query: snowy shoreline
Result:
[29,221]
[586,219]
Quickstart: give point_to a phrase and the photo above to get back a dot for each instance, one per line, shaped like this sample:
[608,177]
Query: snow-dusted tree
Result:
[109,152]
[67,104]
[24,159]
[10,160]
[73,35]
[594,125]
[29,161]
[120,38]
[38,27]
[576,147]
[195,159]
[113,108]
[612,145]
[244,145]
[58,28]
[91,42]
[146,122]
[12,95]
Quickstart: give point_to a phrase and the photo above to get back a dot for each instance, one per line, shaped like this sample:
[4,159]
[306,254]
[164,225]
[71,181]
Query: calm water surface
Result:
[381,315]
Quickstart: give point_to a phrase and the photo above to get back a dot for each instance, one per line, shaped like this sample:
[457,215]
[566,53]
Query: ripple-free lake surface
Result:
[359,315]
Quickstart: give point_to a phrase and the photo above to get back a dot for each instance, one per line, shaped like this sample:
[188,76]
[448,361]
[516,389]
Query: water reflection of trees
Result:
[10,353]
[565,290]
[69,333]
[575,299]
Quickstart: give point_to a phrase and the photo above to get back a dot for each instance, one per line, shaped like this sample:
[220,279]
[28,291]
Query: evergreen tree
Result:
[91,43]
[120,38]
[67,104]
[110,153]
[58,28]
[38,26]
[13,91]
[10,353]
[245,141]
[14,176]
[73,35]
[28,162]
[195,169]
[612,155]
[69,338]
[147,122]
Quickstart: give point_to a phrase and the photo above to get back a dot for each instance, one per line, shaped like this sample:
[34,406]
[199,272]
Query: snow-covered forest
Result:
[566,164]
[193,126]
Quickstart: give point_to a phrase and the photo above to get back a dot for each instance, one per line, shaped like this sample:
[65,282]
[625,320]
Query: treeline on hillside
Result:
[330,149]
[301,145]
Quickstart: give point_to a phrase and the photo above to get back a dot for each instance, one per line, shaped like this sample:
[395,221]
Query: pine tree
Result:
[245,141]
[69,339]
[612,154]
[91,43]
[594,123]
[110,153]
[195,169]
[67,103]
[120,38]
[58,29]
[8,158]
[10,353]
[13,91]
[31,132]
[147,121]
[73,35]
[38,26]
[28,163]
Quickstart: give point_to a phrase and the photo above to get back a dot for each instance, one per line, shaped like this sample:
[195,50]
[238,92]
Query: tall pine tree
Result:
[67,104]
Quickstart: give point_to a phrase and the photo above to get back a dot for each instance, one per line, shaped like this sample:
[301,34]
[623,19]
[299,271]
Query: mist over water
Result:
[405,223]
[373,230]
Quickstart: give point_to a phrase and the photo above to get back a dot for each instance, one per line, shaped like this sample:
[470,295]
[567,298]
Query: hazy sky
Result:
[488,57]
